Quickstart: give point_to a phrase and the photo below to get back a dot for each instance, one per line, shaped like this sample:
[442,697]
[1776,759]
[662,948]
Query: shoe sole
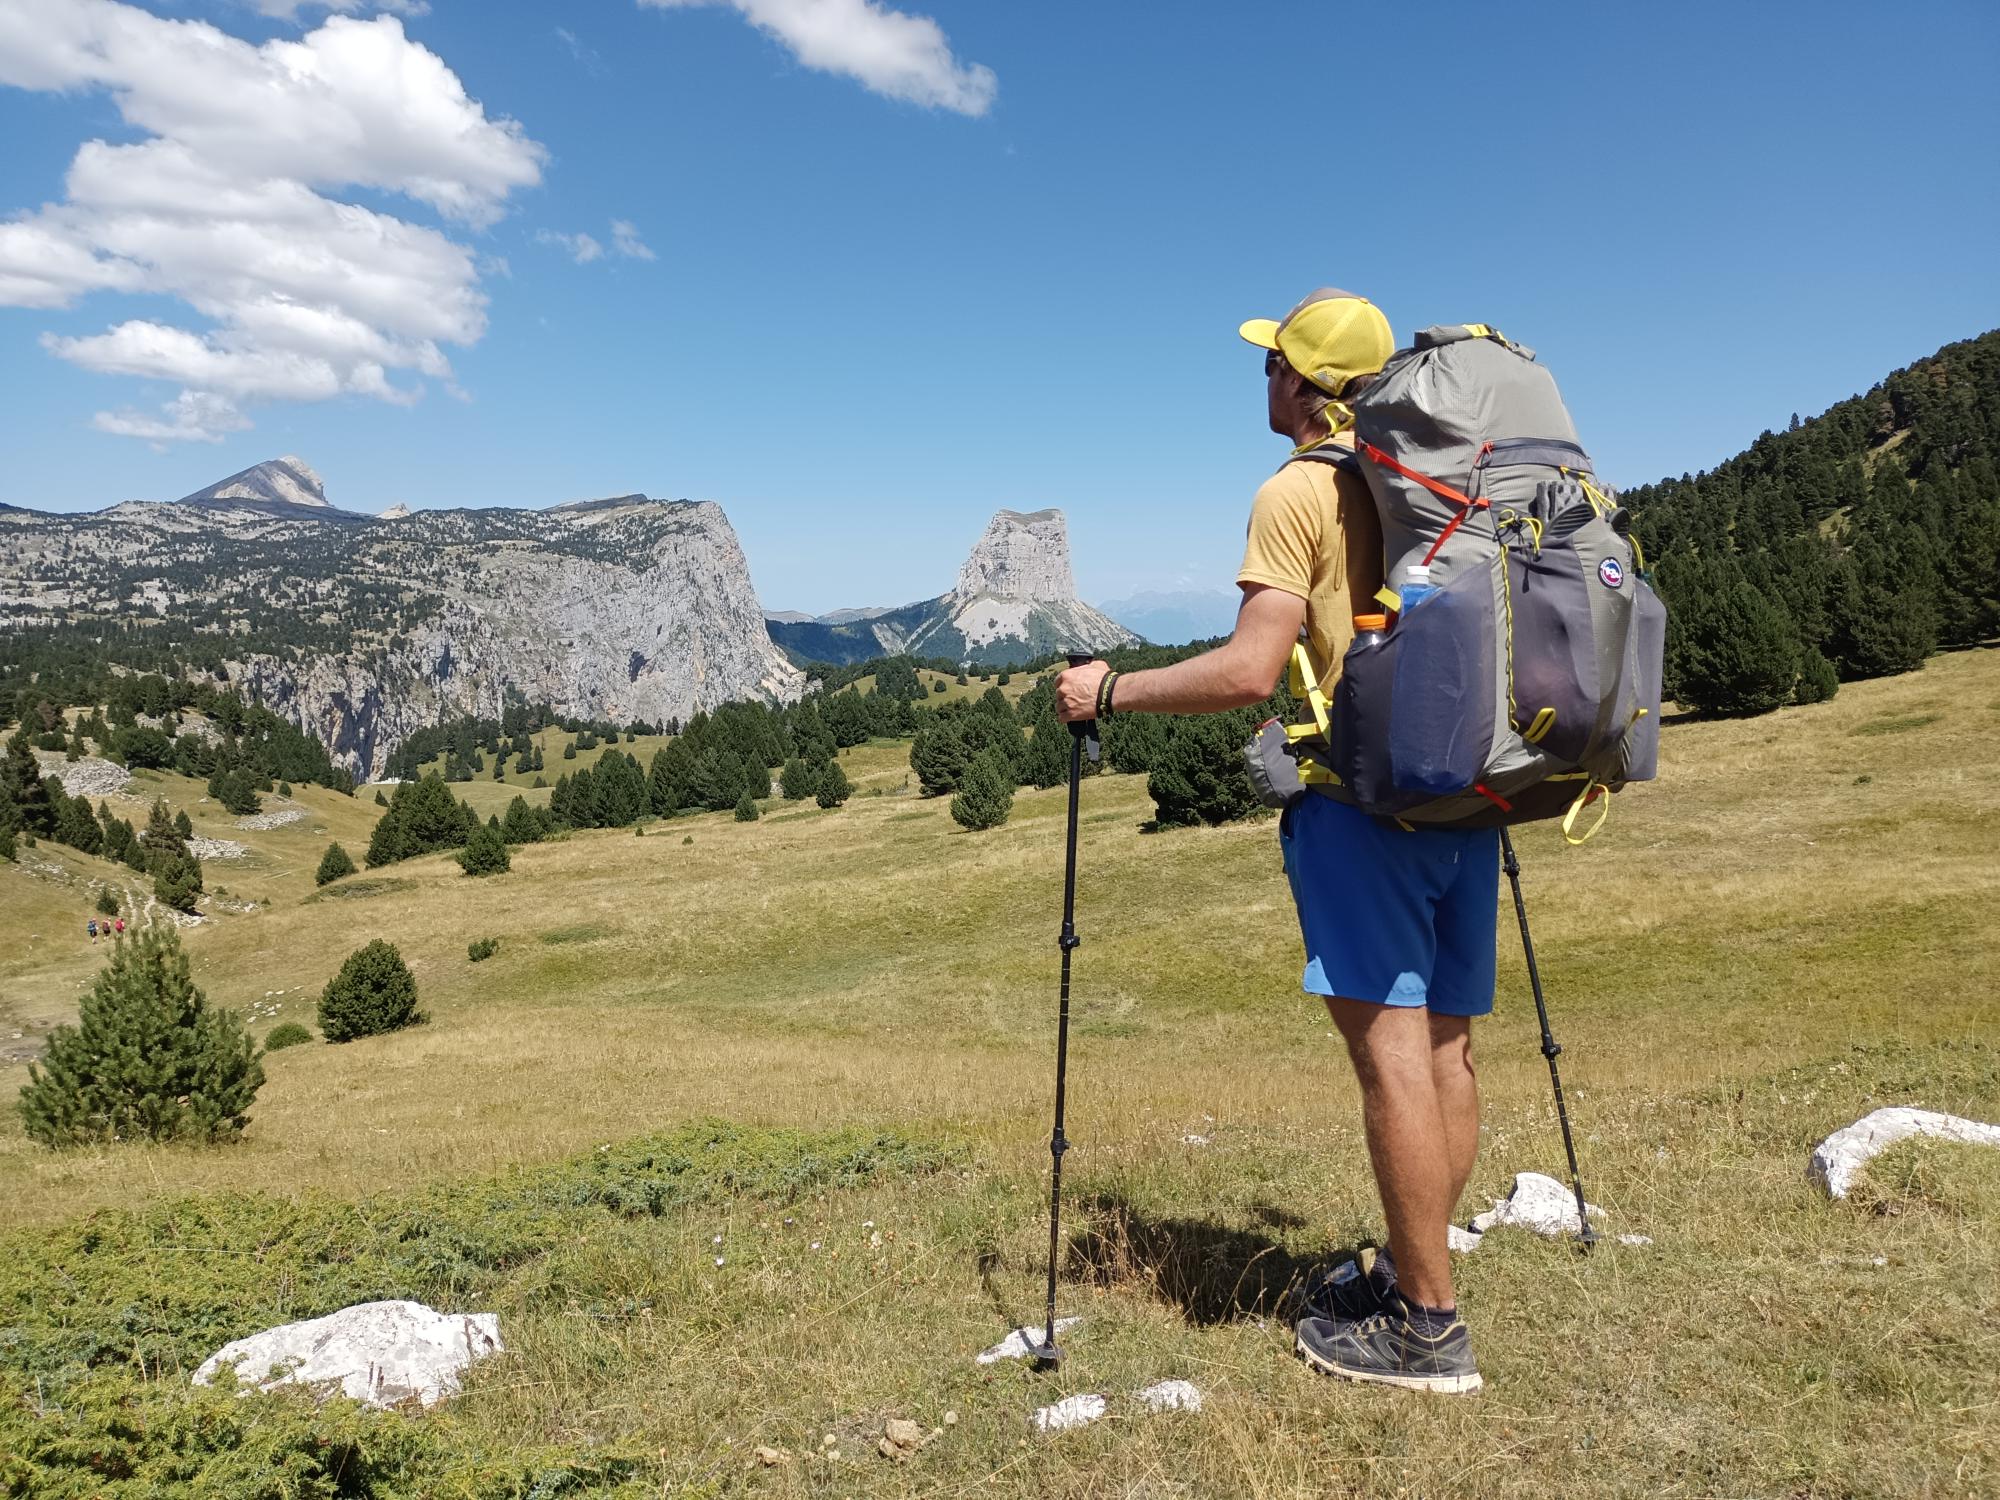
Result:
[1443,1385]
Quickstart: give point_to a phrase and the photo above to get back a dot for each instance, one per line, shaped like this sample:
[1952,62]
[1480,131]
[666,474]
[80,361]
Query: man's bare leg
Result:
[1457,1085]
[1420,1109]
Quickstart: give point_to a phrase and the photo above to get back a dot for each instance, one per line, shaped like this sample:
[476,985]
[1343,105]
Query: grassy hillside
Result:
[1792,927]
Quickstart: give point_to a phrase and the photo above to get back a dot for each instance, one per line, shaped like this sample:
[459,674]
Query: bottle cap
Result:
[1371,622]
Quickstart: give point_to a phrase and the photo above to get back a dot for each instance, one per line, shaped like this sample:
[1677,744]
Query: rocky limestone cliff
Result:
[363,630]
[1015,600]
[1020,557]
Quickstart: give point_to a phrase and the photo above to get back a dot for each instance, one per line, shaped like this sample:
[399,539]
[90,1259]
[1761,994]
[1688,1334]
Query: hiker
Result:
[121,926]
[91,928]
[1399,923]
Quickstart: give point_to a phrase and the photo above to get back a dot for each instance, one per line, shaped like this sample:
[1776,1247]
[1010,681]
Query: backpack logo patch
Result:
[1611,573]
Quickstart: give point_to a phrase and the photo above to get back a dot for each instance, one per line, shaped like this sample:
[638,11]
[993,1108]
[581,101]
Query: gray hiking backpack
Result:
[1529,682]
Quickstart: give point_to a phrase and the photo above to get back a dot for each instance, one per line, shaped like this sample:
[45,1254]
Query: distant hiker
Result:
[91,928]
[121,926]
[1399,924]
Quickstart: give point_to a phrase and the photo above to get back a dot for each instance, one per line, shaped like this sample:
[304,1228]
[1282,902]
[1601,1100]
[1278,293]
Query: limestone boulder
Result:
[381,1353]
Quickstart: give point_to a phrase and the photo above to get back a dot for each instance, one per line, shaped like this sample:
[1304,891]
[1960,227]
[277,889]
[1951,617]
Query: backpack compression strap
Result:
[1465,503]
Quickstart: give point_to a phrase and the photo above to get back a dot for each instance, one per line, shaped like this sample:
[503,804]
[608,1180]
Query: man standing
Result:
[1399,925]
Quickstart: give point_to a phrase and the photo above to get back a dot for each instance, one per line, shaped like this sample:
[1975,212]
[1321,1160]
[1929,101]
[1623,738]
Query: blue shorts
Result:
[1393,916]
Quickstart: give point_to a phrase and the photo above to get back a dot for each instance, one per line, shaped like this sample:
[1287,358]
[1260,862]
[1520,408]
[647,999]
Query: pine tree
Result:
[373,993]
[1731,649]
[183,825]
[147,1057]
[1045,762]
[485,853]
[1198,775]
[746,809]
[986,792]
[24,801]
[832,786]
[333,865]
[521,825]
[797,780]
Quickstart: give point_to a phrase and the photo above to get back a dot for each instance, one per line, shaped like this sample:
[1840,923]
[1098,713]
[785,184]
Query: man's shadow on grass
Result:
[1211,1273]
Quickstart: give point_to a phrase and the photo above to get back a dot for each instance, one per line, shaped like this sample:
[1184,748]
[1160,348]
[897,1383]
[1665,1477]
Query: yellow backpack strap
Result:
[1593,790]
[1305,685]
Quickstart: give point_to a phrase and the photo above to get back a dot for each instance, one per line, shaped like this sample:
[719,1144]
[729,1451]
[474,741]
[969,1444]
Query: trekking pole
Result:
[1550,1047]
[1082,735]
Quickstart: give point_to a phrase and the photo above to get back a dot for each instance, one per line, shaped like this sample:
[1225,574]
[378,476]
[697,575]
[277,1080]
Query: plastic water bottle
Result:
[1417,587]
[1370,630]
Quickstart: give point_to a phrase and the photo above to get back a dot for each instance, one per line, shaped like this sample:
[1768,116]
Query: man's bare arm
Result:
[1241,671]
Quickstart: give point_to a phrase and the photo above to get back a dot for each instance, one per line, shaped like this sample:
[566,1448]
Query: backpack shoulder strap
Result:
[1337,454]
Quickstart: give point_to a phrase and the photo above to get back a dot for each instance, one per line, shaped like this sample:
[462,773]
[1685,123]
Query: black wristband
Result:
[1105,689]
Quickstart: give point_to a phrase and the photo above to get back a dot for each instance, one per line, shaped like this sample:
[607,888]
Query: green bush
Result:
[107,903]
[480,949]
[146,1058]
[335,863]
[746,809]
[1818,681]
[485,853]
[985,794]
[373,993]
[287,1034]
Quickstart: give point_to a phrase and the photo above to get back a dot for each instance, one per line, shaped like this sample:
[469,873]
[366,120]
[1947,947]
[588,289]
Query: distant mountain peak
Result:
[395,512]
[1023,555]
[276,481]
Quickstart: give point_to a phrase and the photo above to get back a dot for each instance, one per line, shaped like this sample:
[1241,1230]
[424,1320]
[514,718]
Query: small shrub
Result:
[287,1034]
[746,809]
[373,993]
[107,903]
[147,1057]
[380,800]
[481,949]
[485,853]
[688,840]
[284,789]
[335,863]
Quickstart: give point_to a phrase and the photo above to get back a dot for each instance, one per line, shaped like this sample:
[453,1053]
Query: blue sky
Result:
[979,256]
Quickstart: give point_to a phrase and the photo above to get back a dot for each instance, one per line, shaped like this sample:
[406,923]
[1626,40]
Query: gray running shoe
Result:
[1353,1290]
[1385,1349]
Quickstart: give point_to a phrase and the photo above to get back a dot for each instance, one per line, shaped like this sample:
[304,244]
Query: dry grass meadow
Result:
[1793,926]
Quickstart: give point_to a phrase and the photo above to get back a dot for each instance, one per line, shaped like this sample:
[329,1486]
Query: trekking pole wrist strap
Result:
[1104,690]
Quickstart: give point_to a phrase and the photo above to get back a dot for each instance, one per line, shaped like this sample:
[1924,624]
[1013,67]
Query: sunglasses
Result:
[1273,361]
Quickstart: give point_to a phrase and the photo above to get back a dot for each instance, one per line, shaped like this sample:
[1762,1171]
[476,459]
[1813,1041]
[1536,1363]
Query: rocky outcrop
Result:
[276,481]
[1838,1160]
[1015,600]
[362,630]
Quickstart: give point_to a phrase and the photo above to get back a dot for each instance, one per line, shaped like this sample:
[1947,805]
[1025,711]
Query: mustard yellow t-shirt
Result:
[1314,533]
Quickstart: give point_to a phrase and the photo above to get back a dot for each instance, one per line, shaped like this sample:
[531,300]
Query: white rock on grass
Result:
[1016,1344]
[1171,1395]
[380,1353]
[276,819]
[1838,1160]
[1464,1241]
[207,848]
[1071,1411]
[1536,1202]
[88,777]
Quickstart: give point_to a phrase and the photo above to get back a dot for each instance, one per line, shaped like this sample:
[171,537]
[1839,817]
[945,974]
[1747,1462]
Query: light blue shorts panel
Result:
[1392,916]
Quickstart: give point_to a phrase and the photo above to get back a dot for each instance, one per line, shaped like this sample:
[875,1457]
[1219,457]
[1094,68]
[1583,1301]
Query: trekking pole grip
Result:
[1084,729]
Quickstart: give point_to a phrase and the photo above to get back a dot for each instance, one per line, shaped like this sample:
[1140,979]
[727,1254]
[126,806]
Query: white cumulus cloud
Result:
[894,54]
[223,207]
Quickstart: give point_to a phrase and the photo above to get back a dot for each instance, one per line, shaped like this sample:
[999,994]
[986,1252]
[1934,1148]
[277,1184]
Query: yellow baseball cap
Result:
[1330,337]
